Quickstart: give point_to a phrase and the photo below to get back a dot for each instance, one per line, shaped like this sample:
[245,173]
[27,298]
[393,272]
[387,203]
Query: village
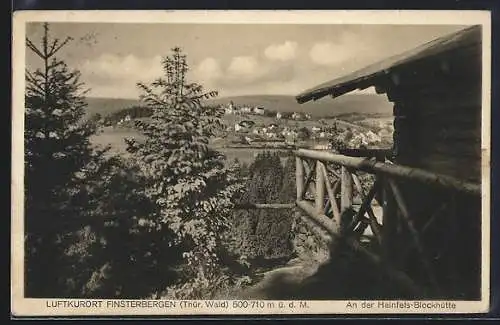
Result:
[259,127]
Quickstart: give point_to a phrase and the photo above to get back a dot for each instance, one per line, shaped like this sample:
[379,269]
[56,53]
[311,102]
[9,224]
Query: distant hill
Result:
[107,106]
[349,103]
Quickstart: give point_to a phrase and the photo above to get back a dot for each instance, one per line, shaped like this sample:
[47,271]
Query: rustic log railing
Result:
[331,193]
[354,199]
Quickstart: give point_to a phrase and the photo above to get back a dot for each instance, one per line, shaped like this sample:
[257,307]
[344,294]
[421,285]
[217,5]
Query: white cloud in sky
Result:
[325,53]
[246,68]
[346,47]
[281,52]
[123,67]
[111,75]
[208,70]
[243,65]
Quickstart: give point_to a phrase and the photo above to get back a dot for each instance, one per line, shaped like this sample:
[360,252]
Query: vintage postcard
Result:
[250,162]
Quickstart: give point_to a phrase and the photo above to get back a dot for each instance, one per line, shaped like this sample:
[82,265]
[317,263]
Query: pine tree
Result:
[57,148]
[264,234]
[185,178]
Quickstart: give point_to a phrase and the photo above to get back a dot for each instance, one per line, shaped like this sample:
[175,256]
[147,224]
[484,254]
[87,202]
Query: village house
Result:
[372,137]
[291,137]
[324,145]
[229,109]
[385,134]
[259,110]
[315,129]
[246,109]
[237,127]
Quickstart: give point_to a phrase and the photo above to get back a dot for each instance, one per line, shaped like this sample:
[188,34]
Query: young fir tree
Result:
[57,147]
[185,178]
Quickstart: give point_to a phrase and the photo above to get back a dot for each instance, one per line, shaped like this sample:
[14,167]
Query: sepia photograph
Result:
[280,162]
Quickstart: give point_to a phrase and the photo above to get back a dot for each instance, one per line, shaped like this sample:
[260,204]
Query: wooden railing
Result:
[330,192]
[387,212]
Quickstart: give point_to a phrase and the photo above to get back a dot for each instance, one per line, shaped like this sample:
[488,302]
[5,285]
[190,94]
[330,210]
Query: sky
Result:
[234,59]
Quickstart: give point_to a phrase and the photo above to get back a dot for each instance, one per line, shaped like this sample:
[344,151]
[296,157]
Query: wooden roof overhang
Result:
[378,73]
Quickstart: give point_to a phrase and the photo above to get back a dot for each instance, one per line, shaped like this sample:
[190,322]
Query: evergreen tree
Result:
[57,152]
[186,179]
[264,234]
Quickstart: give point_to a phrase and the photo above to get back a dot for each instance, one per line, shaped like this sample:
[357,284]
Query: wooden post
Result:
[306,184]
[320,188]
[299,177]
[345,190]
[405,212]
[333,231]
[331,195]
[389,222]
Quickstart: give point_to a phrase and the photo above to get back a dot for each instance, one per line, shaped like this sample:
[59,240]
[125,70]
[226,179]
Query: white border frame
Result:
[21,306]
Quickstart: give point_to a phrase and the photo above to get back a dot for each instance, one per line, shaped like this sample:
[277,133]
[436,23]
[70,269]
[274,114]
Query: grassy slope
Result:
[106,106]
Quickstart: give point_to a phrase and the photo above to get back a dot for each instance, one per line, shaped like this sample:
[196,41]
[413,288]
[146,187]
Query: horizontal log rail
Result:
[404,172]
[251,206]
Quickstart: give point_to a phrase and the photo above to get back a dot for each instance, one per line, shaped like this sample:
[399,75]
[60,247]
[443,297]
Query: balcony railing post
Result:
[299,177]
[345,190]
[389,222]
[320,188]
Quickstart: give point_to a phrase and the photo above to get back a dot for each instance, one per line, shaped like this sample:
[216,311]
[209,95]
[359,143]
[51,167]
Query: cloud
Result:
[111,75]
[281,52]
[129,67]
[243,66]
[207,71]
[348,47]
[325,53]
[246,68]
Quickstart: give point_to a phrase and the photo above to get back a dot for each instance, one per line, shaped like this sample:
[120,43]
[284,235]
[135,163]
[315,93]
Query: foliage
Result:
[118,213]
[88,218]
[185,179]
[264,234]
[57,148]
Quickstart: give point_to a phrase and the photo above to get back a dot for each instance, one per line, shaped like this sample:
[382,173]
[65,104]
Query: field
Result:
[115,138]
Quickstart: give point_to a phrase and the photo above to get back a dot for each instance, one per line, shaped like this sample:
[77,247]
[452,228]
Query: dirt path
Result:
[279,283]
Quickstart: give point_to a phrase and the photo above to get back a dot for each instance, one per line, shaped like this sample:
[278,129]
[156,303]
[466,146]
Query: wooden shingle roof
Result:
[369,75]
